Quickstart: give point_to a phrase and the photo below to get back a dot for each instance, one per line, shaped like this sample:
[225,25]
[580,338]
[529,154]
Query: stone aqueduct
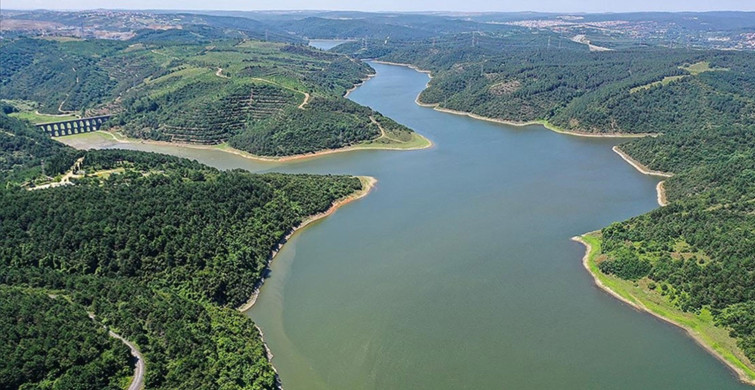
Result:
[75,126]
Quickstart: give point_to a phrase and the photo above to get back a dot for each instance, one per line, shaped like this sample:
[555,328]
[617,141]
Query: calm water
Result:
[326,44]
[457,271]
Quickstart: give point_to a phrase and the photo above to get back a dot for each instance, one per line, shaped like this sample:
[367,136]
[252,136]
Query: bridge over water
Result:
[75,126]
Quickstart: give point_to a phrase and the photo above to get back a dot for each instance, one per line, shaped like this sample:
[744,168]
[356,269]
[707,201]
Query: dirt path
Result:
[60,107]
[382,131]
[66,179]
[305,102]
[59,115]
[306,94]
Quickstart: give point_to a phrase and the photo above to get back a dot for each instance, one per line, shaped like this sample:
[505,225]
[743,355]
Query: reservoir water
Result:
[457,271]
[326,44]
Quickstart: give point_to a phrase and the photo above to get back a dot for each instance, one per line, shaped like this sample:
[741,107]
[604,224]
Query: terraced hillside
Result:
[208,112]
[209,91]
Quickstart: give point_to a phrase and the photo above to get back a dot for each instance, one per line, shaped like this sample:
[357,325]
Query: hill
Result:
[188,85]
[159,248]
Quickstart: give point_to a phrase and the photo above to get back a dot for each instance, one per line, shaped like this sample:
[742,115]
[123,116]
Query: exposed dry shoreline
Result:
[661,191]
[229,149]
[659,188]
[429,73]
[743,377]
[359,84]
[586,264]
[638,165]
[368,183]
[269,354]
[546,124]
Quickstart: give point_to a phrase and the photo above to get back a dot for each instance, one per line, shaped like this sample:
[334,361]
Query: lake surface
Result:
[326,44]
[457,271]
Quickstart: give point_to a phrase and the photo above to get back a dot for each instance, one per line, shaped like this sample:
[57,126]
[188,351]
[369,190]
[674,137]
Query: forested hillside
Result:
[50,343]
[195,85]
[638,90]
[698,252]
[161,249]
[27,153]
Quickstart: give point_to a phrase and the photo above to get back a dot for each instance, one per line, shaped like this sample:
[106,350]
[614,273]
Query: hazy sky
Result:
[395,5]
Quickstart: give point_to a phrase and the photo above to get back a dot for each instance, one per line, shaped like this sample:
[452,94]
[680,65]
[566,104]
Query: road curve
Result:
[138,382]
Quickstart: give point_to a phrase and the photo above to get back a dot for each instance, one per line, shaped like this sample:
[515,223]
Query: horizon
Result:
[375,11]
[391,6]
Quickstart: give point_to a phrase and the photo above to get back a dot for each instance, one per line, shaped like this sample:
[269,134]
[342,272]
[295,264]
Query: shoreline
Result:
[660,188]
[229,149]
[270,356]
[739,372]
[638,165]
[661,192]
[544,123]
[639,306]
[359,84]
[410,66]
[368,183]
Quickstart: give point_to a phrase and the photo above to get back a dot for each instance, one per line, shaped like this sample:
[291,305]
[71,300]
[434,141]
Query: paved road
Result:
[138,382]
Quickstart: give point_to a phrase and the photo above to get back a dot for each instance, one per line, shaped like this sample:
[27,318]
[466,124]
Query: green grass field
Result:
[700,67]
[693,69]
[35,118]
[699,326]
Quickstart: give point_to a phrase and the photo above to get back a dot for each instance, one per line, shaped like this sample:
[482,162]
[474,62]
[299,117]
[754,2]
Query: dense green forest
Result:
[638,90]
[51,343]
[700,249]
[26,153]
[196,86]
[160,248]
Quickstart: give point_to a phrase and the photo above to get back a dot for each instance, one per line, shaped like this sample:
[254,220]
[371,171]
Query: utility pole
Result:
[549,43]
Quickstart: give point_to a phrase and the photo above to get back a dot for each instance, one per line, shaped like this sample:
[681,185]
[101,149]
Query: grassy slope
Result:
[35,118]
[699,326]
[693,69]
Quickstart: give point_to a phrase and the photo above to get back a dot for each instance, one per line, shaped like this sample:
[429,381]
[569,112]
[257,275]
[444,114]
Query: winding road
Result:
[138,382]
[306,94]
[219,73]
